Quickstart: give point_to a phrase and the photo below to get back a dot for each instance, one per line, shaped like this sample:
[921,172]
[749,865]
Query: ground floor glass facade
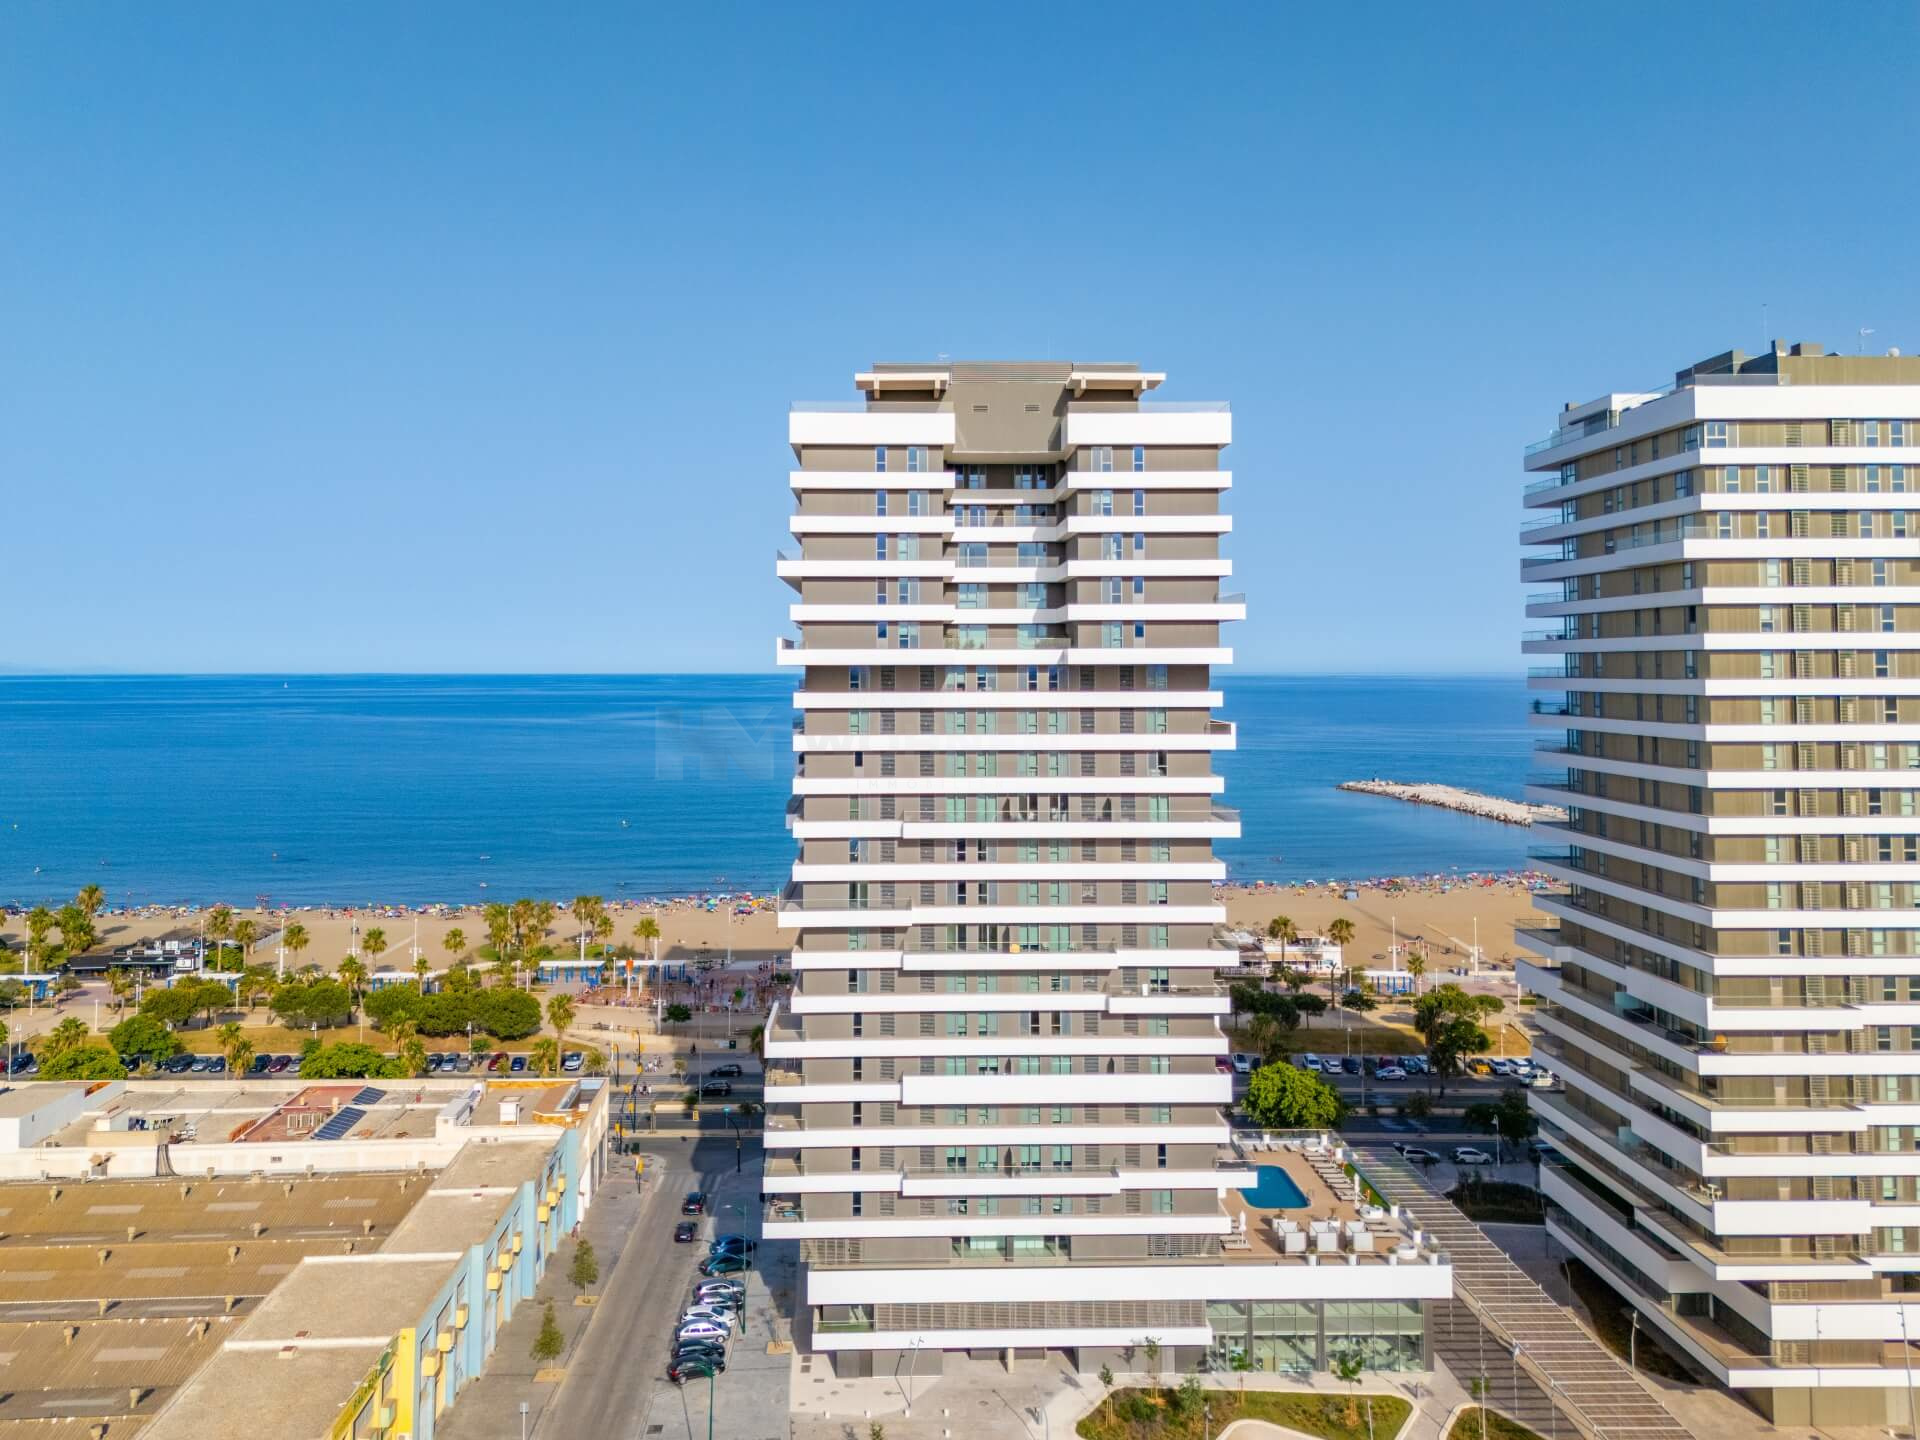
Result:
[1298,1337]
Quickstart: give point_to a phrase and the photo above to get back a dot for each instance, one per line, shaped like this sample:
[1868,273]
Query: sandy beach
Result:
[1439,913]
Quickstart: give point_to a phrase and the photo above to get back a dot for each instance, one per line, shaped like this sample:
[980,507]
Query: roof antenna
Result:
[1864,332]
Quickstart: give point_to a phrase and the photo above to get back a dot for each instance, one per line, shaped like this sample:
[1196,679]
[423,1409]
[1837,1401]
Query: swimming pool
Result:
[1274,1189]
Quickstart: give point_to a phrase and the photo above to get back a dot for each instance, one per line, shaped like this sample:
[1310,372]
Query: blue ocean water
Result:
[409,789]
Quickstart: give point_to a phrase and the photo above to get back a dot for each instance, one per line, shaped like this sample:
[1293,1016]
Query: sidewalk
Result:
[488,1407]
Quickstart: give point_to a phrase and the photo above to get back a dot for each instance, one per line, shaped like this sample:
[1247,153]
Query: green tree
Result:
[1360,999]
[1450,1021]
[1151,1346]
[1340,932]
[316,1001]
[584,1271]
[235,1046]
[91,899]
[219,928]
[39,925]
[1106,1387]
[374,942]
[169,1004]
[560,1013]
[294,939]
[454,942]
[207,997]
[69,1034]
[1513,1118]
[144,1035]
[347,1060]
[548,1344]
[1417,967]
[1349,1368]
[546,1055]
[76,930]
[678,1014]
[1283,1096]
[83,1062]
[245,932]
[121,983]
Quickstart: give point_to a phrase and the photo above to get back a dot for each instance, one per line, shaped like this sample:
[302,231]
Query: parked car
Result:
[1389,1072]
[1479,1067]
[572,1061]
[1351,1065]
[695,1203]
[1541,1080]
[199,1064]
[711,1315]
[217,1065]
[701,1329]
[178,1065]
[685,1232]
[728,1289]
[701,1352]
[1308,1061]
[279,1064]
[723,1264]
[732,1244]
[727,1071]
[683,1368]
[517,1065]
[1243,1064]
[258,1065]
[1415,1154]
[496,1060]
[717,1088]
[1471,1155]
[463,1063]
[1414,1064]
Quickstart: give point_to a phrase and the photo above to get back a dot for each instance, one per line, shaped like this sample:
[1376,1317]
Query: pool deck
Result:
[1263,1245]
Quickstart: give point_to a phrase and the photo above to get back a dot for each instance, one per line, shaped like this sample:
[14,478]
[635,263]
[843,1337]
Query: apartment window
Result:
[1103,458]
[919,502]
[1718,435]
[1103,502]
[880,457]
[880,546]
[1139,502]
[879,502]
[1886,617]
[916,459]
[1139,458]
[909,634]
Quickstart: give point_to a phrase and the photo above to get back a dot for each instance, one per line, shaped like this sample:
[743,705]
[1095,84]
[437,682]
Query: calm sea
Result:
[408,789]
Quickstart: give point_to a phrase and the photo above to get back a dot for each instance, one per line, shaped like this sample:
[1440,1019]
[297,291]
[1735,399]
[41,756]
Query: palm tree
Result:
[234,1045]
[647,932]
[294,939]
[374,942]
[420,971]
[1416,967]
[220,927]
[454,943]
[352,974]
[500,933]
[76,930]
[586,912]
[546,1055]
[410,1048]
[120,982]
[1340,932]
[91,899]
[39,923]
[560,1013]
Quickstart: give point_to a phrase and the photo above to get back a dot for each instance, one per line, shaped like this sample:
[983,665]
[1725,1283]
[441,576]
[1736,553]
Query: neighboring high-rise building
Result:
[1732,994]
[995,1097]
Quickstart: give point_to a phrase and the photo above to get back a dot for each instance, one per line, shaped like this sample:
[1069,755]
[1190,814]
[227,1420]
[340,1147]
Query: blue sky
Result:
[460,337]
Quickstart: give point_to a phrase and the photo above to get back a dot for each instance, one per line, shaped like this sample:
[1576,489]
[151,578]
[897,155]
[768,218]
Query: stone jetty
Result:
[1467,802]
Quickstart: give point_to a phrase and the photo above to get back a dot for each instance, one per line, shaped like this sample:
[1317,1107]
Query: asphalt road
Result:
[616,1384]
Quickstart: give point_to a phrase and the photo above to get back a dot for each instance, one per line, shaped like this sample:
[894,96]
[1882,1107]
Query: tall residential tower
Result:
[1732,991]
[995,1096]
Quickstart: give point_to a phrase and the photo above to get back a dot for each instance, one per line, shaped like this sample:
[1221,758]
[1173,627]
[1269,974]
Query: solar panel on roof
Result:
[340,1123]
[369,1095]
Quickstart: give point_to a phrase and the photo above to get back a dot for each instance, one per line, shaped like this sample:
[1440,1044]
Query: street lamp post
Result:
[913,1351]
[524,1407]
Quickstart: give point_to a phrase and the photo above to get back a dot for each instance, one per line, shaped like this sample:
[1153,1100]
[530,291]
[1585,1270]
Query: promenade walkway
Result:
[1528,1336]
